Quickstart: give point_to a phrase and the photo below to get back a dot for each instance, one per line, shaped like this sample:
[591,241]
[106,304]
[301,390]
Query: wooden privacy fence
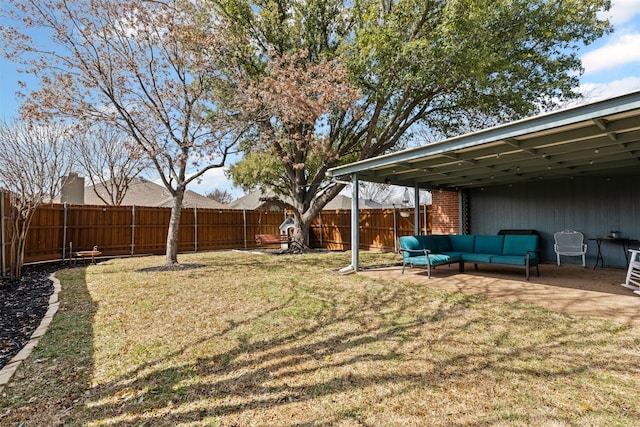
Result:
[140,230]
[379,228]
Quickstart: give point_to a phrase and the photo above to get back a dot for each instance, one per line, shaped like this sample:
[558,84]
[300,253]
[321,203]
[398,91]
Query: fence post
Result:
[64,231]
[320,219]
[195,227]
[244,220]
[2,233]
[133,228]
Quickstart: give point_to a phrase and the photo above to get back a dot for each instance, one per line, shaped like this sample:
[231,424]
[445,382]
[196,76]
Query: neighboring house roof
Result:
[260,200]
[142,192]
[342,202]
[269,201]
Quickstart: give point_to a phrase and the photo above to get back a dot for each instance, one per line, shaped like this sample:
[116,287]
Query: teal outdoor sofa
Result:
[432,250]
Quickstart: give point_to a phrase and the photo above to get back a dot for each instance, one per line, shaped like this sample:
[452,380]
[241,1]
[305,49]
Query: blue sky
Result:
[612,67]
[612,64]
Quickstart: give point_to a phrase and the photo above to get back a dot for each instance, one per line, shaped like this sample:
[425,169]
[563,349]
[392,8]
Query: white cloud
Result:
[596,91]
[623,11]
[619,51]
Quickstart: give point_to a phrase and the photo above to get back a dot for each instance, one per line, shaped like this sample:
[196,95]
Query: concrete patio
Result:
[570,288]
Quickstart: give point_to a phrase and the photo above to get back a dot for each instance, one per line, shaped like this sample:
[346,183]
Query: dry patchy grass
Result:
[285,340]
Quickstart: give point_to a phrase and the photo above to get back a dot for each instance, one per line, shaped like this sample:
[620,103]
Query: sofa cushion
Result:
[519,245]
[428,242]
[489,245]
[456,256]
[442,241]
[508,260]
[471,257]
[434,259]
[410,243]
[439,259]
[462,242]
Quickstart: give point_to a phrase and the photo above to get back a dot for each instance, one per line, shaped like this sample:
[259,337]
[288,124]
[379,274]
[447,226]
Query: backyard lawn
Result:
[243,339]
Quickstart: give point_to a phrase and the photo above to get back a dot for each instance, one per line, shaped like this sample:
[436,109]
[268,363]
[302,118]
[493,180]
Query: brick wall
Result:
[445,215]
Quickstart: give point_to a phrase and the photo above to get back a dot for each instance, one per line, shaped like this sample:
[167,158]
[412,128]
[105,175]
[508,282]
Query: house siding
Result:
[591,205]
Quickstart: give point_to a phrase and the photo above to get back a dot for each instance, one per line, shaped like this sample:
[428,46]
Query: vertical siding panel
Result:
[591,205]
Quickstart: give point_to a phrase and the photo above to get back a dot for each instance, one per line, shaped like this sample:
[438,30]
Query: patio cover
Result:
[598,138]
[601,138]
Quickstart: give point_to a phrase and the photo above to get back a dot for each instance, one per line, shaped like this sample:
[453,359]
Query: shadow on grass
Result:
[174,267]
[421,356]
[413,344]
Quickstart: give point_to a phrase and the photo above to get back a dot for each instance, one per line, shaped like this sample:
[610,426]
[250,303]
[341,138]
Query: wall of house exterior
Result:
[445,212]
[592,205]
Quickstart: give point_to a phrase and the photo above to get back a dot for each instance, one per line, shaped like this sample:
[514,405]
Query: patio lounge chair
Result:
[633,273]
[570,243]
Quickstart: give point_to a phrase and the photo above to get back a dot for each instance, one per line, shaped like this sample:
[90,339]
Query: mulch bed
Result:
[23,304]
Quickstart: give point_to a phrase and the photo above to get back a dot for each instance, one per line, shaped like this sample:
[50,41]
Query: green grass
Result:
[280,340]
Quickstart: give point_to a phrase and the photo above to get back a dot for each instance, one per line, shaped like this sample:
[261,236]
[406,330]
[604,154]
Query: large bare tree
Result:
[154,69]
[111,159]
[34,161]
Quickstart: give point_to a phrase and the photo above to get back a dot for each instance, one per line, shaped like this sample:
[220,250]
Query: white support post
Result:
[416,210]
[355,222]
[426,219]
[355,227]
[395,230]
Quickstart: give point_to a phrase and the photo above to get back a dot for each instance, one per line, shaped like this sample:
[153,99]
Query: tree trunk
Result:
[171,257]
[300,239]
[20,226]
[15,272]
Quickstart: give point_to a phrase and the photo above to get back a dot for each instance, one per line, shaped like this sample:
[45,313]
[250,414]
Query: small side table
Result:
[624,241]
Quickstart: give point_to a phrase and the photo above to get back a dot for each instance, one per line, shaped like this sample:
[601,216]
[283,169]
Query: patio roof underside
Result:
[598,139]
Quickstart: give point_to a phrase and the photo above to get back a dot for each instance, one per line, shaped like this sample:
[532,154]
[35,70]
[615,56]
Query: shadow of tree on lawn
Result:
[393,341]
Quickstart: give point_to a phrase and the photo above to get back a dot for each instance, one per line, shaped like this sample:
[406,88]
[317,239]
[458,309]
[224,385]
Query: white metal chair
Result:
[570,243]
[633,273]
